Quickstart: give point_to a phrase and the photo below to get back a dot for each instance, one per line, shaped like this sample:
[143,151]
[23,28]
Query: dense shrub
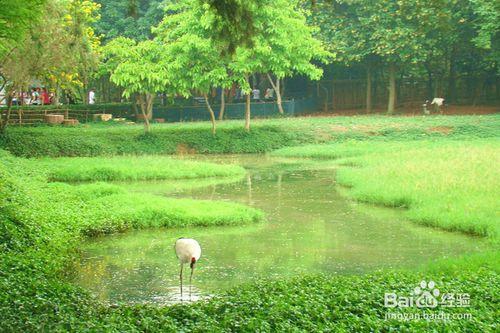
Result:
[112,140]
[266,135]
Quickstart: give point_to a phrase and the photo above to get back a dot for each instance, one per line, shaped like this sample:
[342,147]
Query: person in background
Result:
[26,98]
[15,100]
[45,97]
[269,93]
[35,97]
[256,93]
[39,96]
[91,96]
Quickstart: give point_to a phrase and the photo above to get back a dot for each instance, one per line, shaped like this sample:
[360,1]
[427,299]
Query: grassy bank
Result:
[131,168]
[447,184]
[266,135]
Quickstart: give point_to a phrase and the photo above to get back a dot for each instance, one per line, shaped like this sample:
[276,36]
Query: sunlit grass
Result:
[453,186]
[132,168]
[119,212]
[448,184]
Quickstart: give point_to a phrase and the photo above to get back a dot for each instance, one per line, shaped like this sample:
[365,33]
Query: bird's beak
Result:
[192,263]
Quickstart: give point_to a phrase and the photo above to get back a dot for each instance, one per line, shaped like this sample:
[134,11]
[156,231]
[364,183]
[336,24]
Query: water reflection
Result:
[311,228]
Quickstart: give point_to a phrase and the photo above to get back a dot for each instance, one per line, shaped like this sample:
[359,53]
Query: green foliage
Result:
[285,45]
[140,67]
[16,18]
[487,23]
[231,21]
[167,139]
[267,135]
[187,37]
[488,29]
[131,19]
[394,30]
[131,168]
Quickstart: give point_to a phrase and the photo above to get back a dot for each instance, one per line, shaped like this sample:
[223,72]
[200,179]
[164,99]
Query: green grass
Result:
[120,212]
[338,150]
[101,208]
[448,184]
[266,135]
[132,168]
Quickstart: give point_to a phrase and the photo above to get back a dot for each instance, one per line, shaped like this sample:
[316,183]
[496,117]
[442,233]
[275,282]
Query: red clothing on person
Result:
[45,97]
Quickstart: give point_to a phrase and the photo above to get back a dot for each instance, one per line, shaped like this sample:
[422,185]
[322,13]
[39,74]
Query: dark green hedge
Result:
[120,139]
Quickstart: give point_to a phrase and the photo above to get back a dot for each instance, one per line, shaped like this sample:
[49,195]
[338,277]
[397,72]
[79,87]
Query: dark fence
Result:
[235,110]
[351,94]
[30,115]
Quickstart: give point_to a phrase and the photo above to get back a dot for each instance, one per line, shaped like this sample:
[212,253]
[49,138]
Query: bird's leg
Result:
[180,278]
[190,279]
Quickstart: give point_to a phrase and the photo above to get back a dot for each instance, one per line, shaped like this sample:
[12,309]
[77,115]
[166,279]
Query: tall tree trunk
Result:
[5,122]
[392,89]
[430,90]
[149,100]
[452,85]
[146,105]
[277,90]
[212,115]
[247,113]
[222,104]
[369,105]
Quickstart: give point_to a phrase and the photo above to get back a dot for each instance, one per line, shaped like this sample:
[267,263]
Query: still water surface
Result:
[310,228]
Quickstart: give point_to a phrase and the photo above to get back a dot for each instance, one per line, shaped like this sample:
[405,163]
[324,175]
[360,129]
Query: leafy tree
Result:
[486,23]
[141,70]
[128,18]
[285,45]
[60,50]
[190,47]
[16,18]
[347,36]
[398,32]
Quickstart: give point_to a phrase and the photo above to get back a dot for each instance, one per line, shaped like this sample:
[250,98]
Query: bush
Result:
[266,135]
[119,140]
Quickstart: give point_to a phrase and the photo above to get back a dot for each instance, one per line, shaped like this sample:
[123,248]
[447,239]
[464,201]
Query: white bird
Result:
[188,251]
[438,101]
